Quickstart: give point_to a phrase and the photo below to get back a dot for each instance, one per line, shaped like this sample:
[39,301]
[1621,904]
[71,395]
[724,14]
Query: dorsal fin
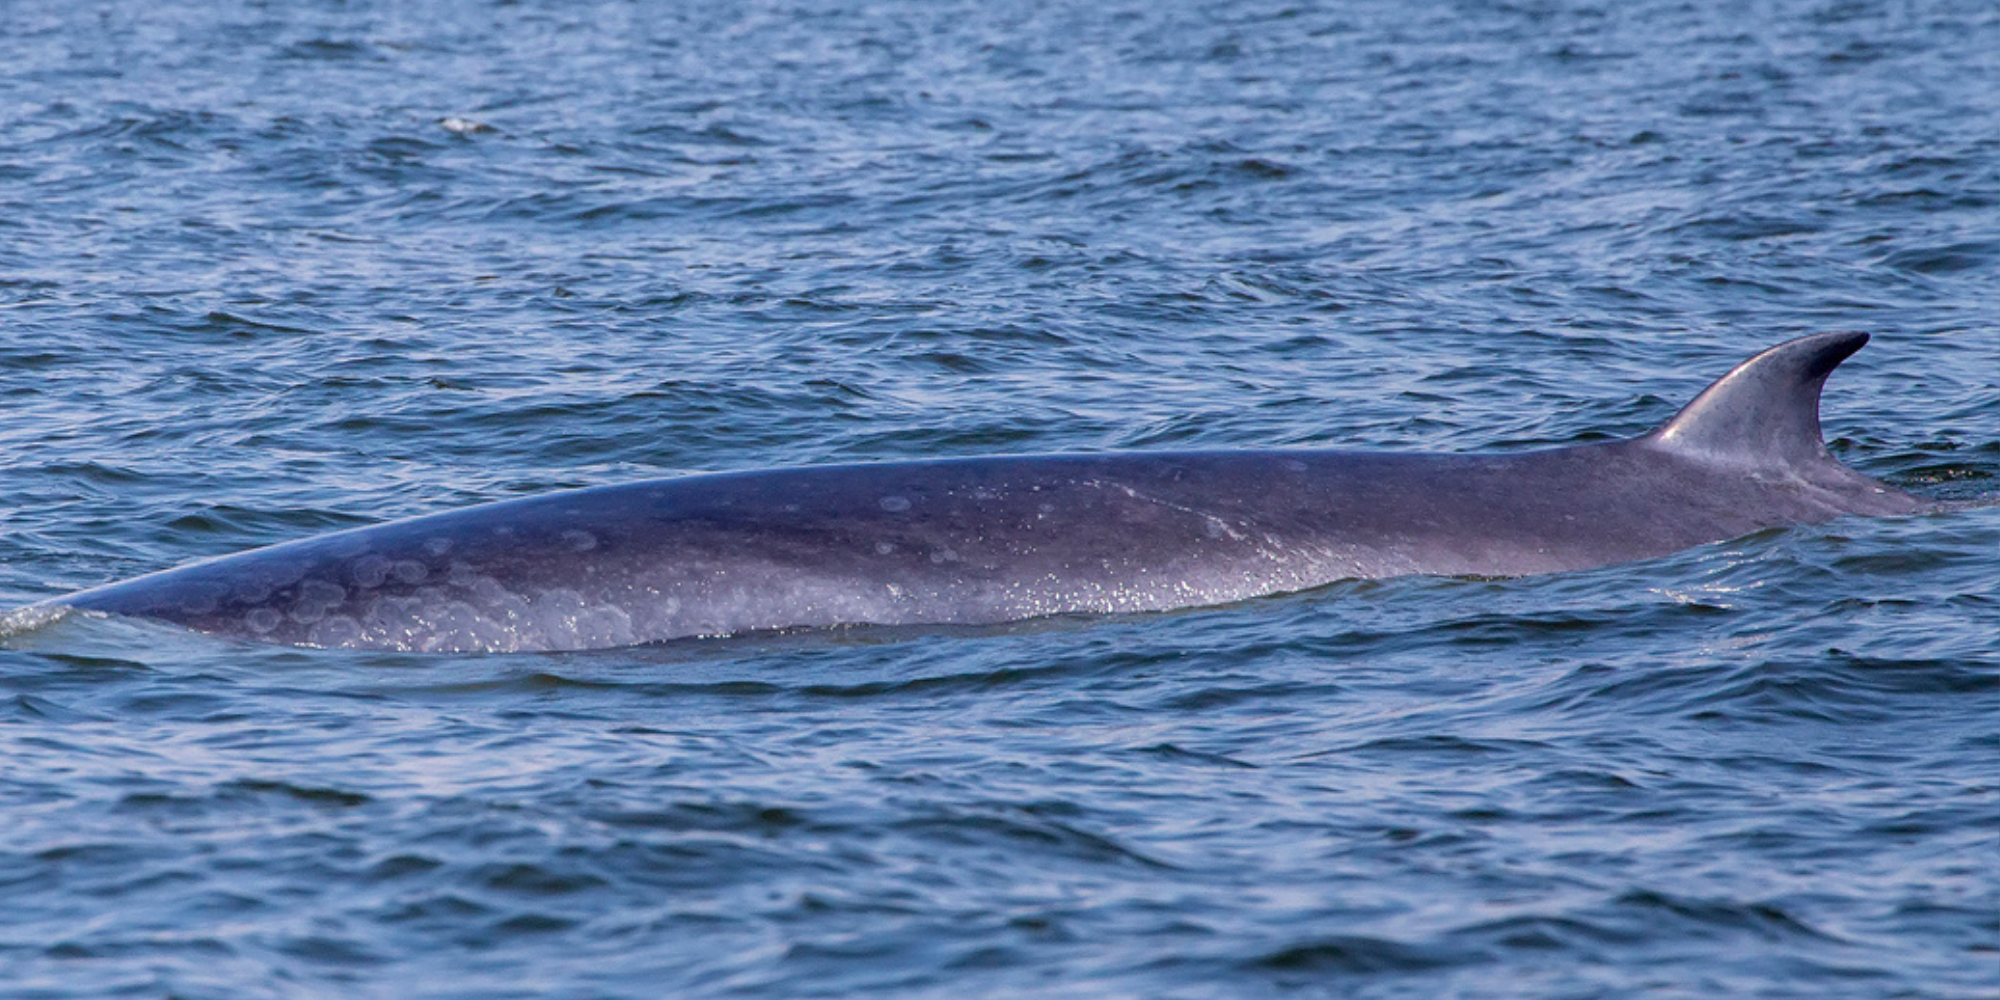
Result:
[1764,414]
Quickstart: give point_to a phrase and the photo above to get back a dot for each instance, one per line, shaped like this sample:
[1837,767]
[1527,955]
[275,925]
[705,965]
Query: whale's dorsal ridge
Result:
[1764,414]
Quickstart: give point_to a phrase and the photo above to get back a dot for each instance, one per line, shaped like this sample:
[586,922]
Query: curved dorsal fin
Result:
[1765,412]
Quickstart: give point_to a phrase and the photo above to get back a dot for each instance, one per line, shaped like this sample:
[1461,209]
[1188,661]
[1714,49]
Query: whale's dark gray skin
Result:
[984,540]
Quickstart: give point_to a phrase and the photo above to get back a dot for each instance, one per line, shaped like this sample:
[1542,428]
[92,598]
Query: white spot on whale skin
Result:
[457,626]
[409,571]
[895,505]
[262,620]
[566,619]
[884,548]
[316,598]
[335,632]
[204,598]
[943,556]
[437,546]
[578,540]
[370,571]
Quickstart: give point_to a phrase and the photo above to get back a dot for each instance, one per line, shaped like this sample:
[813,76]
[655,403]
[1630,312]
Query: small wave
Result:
[1358,954]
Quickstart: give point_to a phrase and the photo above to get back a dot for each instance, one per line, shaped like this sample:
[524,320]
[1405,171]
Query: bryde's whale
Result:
[985,540]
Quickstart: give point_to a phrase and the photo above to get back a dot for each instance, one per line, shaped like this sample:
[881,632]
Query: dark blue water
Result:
[273,269]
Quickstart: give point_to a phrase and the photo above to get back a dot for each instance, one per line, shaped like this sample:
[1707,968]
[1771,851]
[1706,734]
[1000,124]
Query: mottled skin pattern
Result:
[982,540]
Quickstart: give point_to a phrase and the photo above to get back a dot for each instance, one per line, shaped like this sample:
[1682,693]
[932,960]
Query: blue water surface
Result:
[272,269]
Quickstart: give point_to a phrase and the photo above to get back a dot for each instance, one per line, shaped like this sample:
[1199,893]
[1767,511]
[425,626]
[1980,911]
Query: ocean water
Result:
[268,270]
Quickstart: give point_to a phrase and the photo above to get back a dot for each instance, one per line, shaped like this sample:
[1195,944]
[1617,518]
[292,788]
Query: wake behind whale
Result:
[987,540]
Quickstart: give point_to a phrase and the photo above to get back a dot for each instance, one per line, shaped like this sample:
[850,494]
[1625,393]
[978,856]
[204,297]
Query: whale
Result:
[986,540]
